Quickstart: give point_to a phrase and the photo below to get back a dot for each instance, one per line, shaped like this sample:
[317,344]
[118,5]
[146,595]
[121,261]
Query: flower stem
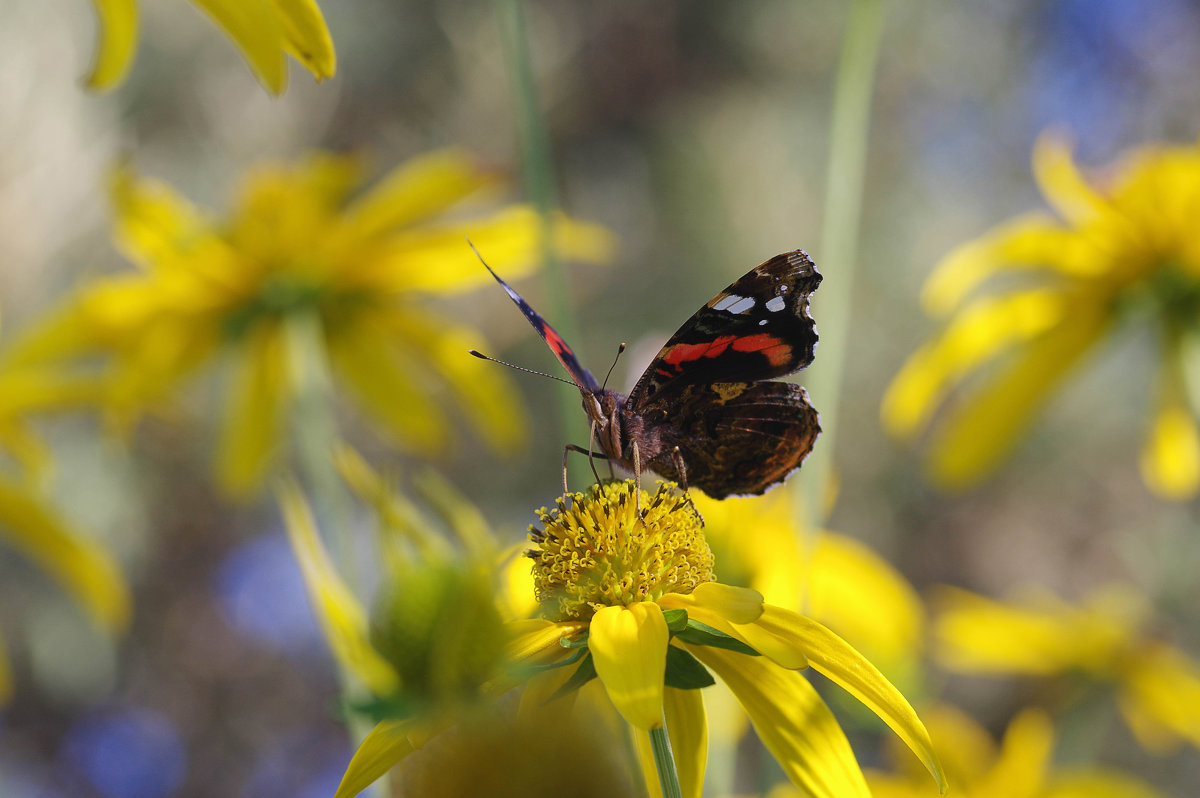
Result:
[664,761]
[848,137]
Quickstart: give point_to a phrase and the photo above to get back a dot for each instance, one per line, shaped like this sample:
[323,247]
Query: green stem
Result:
[848,137]
[664,761]
[538,174]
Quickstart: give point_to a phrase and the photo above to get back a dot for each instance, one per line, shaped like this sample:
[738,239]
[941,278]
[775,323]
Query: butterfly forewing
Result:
[757,329]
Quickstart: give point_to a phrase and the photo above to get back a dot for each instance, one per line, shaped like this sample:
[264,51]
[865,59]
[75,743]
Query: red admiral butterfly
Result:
[704,413]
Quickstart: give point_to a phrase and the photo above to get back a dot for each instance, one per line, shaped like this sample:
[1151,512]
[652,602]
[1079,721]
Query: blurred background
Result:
[698,132]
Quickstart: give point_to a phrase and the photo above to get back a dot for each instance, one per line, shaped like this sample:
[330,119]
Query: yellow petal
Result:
[1030,242]
[255,27]
[383,748]
[1161,694]
[535,641]
[483,392]
[1170,460]
[792,721]
[687,727]
[836,659]
[438,260]
[387,378]
[979,433]
[733,604]
[1020,770]
[342,617]
[416,190]
[629,647]
[83,568]
[307,37]
[1063,186]
[979,332]
[256,411]
[117,43]
[1037,634]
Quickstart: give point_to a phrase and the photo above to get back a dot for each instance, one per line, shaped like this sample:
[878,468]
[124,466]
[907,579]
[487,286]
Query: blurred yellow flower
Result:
[631,604]
[1021,766]
[300,274]
[266,31]
[83,568]
[1124,252]
[1158,687]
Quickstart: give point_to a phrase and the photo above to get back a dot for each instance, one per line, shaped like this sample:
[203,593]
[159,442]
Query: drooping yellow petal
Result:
[979,332]
[792,721]
[117,28]
[1170,459]
[84,569]
[1020,770]
[987,425]
[256,412]
[381,750]
[256,29]
[629,647]
[307,37]
[687,727]
[437,259]
[1027,243]
[535,641]
[836,659]
[1062,185]
[342,617]
[416,190]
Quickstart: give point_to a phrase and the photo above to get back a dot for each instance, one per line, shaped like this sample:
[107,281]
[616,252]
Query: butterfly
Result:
[707,412]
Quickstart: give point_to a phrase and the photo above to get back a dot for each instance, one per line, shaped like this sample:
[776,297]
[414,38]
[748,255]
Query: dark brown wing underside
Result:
[738,438]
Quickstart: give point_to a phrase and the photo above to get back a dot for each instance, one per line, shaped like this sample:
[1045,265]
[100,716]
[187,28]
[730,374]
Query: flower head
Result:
[1122,252]
[266,31]
[300,283]
[592,553]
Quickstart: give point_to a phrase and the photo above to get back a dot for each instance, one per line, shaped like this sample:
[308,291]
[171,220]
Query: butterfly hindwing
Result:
[758,328]
[736,438]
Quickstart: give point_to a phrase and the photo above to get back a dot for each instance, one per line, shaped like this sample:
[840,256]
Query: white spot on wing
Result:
[728,301]
[761,322]
[776,304]
[743,305]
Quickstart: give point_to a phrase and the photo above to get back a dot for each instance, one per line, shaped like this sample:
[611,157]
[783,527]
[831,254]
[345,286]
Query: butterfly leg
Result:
[637,481]
[681,470]
[592,455]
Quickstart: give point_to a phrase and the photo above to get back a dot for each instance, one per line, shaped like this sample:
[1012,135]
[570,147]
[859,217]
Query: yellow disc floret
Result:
[593,551]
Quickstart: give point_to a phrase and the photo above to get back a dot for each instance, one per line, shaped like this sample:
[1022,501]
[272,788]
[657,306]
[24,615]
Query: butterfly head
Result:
[603,408]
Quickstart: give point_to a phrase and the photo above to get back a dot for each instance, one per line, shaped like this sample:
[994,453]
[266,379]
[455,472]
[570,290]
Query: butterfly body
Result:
[708,412]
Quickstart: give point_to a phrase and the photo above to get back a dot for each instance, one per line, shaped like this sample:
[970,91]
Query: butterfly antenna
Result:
[620,349]
[482,356]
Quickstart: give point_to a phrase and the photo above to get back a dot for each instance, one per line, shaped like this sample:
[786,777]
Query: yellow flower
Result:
[84,569]
[1038,635]
[266,31]
[1126,252]
[640,594]
[299,274]
[632,605]
[1020,766]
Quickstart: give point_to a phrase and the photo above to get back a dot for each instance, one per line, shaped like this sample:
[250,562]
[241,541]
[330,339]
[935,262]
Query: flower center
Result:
[592,551]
